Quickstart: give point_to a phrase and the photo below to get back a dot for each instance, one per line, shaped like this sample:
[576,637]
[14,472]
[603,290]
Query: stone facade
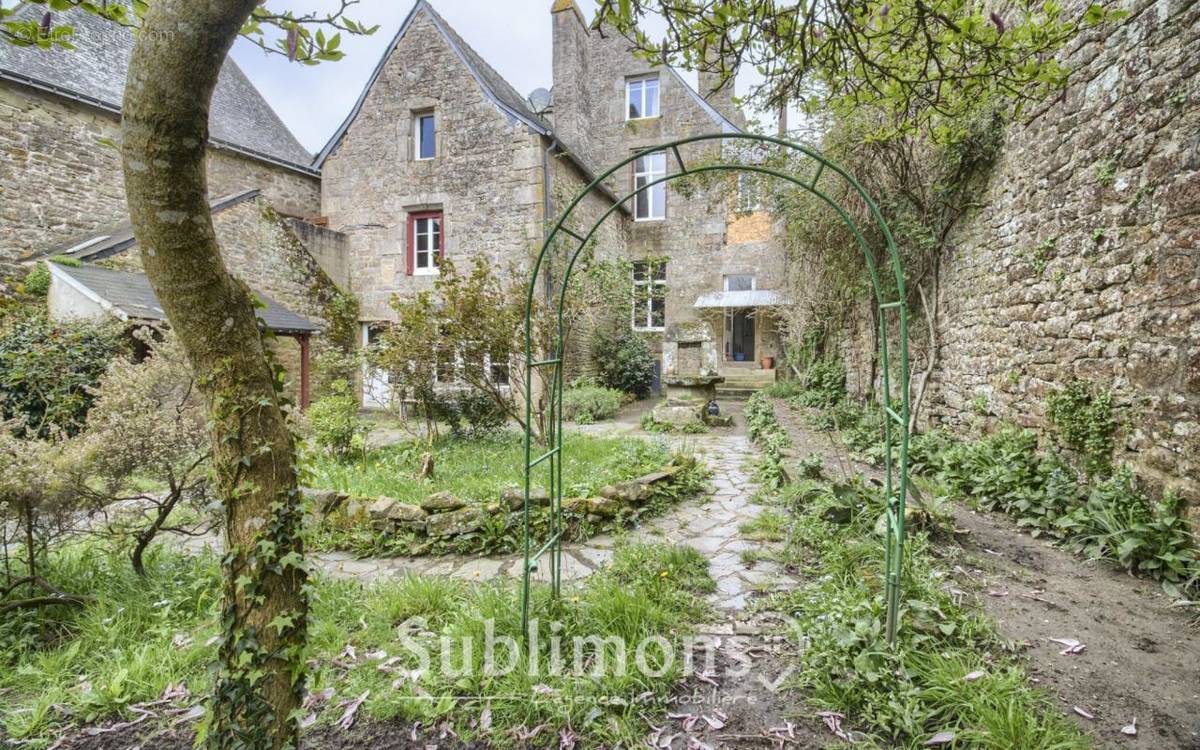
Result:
[1085,260]
[58,182]
[702,238]
[485,178]
[260,248]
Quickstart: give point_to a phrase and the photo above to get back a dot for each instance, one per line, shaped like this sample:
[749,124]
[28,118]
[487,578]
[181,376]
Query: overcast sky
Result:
[512,35]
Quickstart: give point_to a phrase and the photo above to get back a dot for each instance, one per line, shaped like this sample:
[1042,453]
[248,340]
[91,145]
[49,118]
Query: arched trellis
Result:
[896,483]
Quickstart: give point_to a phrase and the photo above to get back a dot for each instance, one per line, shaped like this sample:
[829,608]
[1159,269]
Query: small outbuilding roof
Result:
[129,296]
[745,298]
[104,243]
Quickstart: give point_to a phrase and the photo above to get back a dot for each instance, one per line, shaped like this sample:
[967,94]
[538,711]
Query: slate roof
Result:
[129,296]
[107,242]
[94,73]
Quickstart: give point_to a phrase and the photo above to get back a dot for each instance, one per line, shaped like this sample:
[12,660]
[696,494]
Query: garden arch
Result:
[896,483]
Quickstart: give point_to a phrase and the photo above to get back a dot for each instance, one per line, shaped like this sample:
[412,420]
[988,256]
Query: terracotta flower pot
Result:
[768,363]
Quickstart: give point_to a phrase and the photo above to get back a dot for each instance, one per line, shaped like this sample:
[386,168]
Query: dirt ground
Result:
[1140,657]
[372,735]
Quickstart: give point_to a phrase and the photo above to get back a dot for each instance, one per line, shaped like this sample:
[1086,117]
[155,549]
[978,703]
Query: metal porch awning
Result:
[745,298]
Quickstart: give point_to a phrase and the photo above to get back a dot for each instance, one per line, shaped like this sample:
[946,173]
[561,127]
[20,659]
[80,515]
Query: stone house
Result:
[62,193]
[439,158]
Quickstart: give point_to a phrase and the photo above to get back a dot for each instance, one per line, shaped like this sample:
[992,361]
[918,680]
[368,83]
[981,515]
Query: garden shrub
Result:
[47,369]
[334,422]
[824,383]
[587,404]
[471,413]
[622,361]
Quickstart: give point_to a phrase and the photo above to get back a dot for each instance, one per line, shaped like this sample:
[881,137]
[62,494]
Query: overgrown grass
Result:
[477,470]
[63,667]
[950,670]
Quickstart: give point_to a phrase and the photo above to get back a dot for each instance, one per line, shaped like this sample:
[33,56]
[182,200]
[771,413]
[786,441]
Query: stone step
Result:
[745,383]
[735,394]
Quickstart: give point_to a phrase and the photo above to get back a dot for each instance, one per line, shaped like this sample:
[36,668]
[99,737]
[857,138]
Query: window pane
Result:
[634,98]
[658,164]
[651,97]
[658,200]
[739,283]
[658,314]
[437,233]
[426,136]
[422,236]
[641,208]
[639,270]
[660,271]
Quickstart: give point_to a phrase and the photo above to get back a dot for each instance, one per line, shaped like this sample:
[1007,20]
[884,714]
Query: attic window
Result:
[641,98]
[424,135]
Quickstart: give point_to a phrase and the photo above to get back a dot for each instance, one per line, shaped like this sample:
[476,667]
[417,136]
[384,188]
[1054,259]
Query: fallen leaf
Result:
[997,593]
[347,719]
[972,676]
[941,738]
[1072,646]
[1130,728]
[1083,712]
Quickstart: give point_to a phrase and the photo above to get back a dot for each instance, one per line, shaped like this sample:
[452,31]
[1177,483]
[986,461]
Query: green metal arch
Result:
[896,484]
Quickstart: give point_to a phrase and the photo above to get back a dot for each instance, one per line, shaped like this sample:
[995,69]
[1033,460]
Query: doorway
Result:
[739,335]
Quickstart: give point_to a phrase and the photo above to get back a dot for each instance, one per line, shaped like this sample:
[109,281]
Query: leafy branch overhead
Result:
[915,58]
[301,37]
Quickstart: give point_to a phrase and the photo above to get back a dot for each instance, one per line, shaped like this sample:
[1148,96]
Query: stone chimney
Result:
[719,95]
[570,43]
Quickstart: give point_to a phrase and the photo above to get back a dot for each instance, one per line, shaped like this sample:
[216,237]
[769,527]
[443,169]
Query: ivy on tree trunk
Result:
[176,61]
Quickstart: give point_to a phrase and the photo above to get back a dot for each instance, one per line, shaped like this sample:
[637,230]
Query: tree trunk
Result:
[176,60]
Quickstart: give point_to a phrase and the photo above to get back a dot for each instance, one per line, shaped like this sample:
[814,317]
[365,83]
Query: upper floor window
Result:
[739,283]
[651,202]
[425,248]
[424,135]
[749,199]
[641,98]
[649,295]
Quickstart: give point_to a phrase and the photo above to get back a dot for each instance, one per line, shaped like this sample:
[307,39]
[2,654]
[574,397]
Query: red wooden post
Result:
[304,393]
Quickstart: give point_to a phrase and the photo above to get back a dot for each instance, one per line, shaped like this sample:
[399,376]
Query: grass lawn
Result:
[477,470]
[61,667]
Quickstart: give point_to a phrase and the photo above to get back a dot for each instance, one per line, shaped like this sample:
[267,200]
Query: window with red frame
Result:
[426,246]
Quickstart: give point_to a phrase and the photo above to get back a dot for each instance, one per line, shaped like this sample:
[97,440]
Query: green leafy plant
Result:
[622,360]
[1082,419]
[48,368]
[1118,522]
[335,424]
[587,404]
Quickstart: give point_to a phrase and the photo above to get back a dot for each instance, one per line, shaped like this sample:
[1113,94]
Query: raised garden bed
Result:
[474,502]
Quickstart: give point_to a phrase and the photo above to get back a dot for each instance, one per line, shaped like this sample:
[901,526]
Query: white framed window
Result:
[424,243]
[649,295]
[740,283]
[650,203]
[641,98]
[424,136]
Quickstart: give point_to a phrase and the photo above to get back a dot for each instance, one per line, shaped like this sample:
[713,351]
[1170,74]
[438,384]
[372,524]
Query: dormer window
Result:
[641,98]
[424,136]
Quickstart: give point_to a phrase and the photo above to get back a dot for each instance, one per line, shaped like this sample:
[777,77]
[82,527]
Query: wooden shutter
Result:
[410,256]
